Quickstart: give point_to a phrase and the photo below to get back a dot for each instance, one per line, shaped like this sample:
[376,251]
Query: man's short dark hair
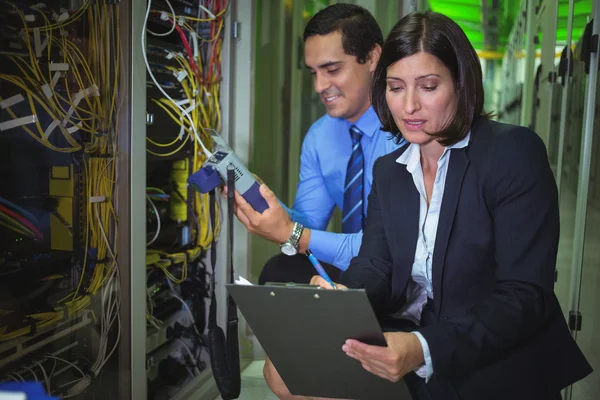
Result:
[360,32]
[441,37]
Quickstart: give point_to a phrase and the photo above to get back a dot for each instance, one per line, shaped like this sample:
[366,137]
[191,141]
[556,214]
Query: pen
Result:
[319,268]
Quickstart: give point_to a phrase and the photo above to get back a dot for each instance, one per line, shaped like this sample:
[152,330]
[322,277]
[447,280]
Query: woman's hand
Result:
[318,281]
[402,355]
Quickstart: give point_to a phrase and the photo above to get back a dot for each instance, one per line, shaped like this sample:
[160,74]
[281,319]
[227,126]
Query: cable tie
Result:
[55,78]
[182,130]
[47,91]
[37,42]
[181,75]
[92,90]
[97,199]
[76,100]
[74,128]
[6,125]
[65,310]
[44,44]
[63,17]
[58,67]
[190,108]
[11,101]
[51,128]
[32,325]
[164,16]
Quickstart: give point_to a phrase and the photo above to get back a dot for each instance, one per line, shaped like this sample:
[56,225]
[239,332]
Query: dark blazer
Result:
[498,331]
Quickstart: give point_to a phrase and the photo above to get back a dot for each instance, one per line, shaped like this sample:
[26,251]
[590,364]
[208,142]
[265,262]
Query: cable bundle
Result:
[69,89]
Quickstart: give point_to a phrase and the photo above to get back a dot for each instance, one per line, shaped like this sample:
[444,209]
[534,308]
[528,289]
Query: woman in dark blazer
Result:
[462,234]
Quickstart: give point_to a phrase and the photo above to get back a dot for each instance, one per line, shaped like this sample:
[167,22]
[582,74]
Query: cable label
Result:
[4,126]
[11,101]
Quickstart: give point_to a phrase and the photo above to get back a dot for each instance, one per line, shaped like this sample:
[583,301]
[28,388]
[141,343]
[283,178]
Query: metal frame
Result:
[564,101]
[584,169]
[131,162]
[527,103]
[237,99]
[237,114]
[584,175]
[549,21]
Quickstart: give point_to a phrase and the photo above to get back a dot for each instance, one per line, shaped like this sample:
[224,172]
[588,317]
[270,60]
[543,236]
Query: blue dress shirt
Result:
[325,153]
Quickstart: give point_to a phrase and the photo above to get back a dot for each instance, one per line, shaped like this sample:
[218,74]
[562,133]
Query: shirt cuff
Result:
[426,369]
[323,246]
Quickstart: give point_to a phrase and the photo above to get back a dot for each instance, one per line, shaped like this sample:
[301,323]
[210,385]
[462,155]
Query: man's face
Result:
[343,84]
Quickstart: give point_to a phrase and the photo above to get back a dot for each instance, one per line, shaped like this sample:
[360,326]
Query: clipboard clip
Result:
[292,284]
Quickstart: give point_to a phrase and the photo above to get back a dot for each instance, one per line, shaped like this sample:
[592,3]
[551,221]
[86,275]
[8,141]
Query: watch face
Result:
[288,249]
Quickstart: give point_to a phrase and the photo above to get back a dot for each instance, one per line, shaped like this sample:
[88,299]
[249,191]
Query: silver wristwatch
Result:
[290,247]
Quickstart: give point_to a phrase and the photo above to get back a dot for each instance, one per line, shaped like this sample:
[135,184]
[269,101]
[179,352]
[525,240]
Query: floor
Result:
[253,384]
[589,296]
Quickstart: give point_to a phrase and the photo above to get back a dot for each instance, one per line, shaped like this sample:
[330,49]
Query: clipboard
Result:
[302,329]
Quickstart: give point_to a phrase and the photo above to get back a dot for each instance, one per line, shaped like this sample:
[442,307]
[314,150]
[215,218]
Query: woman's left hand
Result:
[402,355]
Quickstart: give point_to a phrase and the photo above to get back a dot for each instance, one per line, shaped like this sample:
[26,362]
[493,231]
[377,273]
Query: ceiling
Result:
[488,23]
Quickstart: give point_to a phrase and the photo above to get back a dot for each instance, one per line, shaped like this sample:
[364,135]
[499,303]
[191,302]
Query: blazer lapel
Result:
[404,206]
[454,179]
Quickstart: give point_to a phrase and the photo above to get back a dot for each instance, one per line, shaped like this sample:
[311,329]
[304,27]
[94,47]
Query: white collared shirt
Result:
[421,286]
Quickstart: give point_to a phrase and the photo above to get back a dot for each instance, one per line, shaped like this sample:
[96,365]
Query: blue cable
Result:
[24,212]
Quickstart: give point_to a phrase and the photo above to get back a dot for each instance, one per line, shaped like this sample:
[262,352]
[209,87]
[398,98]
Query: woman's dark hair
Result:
[360,32]
[441,37]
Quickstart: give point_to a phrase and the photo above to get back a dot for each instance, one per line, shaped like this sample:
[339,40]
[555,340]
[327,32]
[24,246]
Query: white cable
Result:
[14,373]
[11,377]
[53,368]
[111,287]
[113,312]
[192,358]
[194,37]
[207,11]
[67,362]
[46,378]
[152,320]
[32,372]
[79,386]
[157,221]
[174,23]
[187,308]
[204,149]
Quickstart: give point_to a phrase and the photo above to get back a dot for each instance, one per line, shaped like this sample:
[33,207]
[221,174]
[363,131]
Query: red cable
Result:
[188,49]
[22,220]
[219,6]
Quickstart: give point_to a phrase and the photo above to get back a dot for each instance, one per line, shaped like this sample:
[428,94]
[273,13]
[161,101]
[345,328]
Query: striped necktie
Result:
[352,219]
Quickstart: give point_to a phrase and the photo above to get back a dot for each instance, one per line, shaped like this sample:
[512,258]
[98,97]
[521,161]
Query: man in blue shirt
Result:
[342,47]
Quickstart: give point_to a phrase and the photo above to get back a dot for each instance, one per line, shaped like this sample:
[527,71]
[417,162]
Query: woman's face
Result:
[420,95]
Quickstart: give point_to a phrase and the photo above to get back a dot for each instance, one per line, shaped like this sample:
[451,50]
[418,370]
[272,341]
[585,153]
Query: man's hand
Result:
[273,224]
[402,355]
